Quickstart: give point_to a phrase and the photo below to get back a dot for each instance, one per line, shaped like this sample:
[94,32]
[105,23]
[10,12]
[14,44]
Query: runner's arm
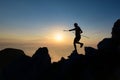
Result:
[72,29]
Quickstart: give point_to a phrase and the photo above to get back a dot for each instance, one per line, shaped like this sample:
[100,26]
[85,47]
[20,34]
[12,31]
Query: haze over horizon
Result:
[30,24]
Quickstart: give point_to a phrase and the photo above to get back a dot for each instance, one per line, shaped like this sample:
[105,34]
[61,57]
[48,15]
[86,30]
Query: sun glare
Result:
[58,37]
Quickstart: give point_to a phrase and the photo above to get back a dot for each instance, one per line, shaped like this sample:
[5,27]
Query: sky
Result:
[31,24]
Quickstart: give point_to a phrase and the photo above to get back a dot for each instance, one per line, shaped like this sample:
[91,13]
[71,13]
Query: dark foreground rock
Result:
[76,67]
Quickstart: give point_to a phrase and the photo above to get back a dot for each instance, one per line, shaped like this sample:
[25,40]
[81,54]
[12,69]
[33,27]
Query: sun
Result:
[58,37]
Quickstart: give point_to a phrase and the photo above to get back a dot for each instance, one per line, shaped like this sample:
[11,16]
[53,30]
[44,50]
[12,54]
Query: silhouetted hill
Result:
[8,55]
[81,67]
[9,59]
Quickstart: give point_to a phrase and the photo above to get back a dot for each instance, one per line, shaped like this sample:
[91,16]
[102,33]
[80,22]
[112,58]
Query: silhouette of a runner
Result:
[77,38]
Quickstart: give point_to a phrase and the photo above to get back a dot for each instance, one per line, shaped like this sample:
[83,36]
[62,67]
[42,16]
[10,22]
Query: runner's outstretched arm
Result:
[72,29]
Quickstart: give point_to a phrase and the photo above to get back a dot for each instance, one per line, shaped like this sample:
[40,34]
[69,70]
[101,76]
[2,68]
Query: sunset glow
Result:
[58,37]
[30,24]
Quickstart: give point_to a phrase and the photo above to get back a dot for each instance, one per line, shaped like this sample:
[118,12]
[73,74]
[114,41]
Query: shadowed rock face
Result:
[111,46]
[10,61]
[116,31]
[9,55]
[42,56]
[21,67]
[41,62]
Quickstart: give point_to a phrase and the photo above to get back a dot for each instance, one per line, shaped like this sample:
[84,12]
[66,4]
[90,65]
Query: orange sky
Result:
[57,48]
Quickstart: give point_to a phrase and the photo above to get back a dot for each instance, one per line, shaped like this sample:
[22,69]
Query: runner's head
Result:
[76,24]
